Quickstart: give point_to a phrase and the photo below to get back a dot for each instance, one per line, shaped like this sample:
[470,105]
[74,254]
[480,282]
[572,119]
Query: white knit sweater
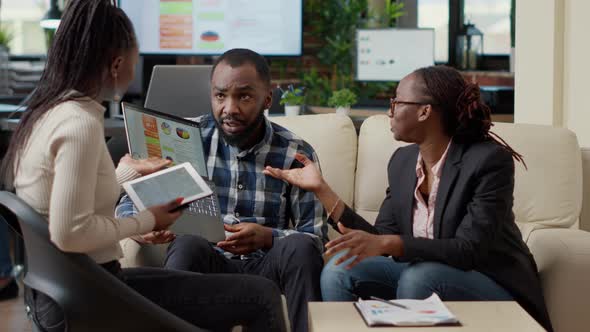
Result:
[66,173]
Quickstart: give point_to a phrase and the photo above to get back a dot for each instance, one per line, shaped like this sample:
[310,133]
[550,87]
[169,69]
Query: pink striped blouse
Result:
[424,213]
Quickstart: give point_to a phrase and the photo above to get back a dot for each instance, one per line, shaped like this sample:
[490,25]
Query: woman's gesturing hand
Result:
[361,245]
[308,177]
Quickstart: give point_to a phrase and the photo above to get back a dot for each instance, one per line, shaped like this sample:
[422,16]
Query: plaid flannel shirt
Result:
[249,195]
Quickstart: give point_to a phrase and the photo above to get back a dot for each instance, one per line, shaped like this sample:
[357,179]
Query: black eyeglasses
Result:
[393,102]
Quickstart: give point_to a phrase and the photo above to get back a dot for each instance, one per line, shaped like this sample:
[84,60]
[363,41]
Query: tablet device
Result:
[166,185]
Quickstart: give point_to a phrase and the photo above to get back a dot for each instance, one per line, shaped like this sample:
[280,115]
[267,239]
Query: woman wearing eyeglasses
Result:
[446,224]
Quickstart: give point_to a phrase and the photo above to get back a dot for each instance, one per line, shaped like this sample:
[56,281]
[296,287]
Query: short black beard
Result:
[241,140]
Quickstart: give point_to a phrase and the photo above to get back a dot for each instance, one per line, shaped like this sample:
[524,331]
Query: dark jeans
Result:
[219,301]
[384,277]
[294,263]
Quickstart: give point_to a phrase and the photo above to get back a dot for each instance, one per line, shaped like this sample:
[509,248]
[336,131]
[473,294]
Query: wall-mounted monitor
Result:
[391,54]
[211,27]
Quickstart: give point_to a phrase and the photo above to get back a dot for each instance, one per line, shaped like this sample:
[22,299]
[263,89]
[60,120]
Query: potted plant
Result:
[5,37]
[292,98]
[342,100]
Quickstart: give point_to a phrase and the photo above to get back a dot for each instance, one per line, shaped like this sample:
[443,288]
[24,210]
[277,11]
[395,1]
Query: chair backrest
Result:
[181,90]
[91,298]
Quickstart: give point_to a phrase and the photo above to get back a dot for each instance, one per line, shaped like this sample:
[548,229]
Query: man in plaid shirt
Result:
[239,142]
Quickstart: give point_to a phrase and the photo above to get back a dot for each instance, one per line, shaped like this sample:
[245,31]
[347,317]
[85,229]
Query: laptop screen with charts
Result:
[155,134]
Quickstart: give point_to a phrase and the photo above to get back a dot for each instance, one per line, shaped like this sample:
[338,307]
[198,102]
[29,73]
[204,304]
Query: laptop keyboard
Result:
[207,206]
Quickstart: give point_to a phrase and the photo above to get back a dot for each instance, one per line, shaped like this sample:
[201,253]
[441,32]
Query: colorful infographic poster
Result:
[271,27]
[176,24]
[211,25]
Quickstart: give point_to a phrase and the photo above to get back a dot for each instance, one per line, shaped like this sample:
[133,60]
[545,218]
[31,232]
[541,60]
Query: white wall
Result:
[538,69]
[577,69]
[552,69]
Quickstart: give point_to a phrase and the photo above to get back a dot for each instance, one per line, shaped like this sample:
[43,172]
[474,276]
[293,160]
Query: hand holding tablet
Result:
[165,215]
[166,185]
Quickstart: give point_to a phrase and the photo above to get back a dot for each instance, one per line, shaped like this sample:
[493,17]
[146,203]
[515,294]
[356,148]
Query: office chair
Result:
[92,299]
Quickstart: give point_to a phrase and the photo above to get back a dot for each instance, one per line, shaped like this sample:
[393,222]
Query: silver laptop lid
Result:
[181,90]
[155,134]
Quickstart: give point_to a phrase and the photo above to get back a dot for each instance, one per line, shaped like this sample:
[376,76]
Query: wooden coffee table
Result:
[474,316]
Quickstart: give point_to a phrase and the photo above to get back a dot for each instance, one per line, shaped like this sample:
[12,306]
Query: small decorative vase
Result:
[344,110]
[292,110]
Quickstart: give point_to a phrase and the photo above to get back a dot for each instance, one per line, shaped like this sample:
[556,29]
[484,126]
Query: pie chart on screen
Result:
[184,134]
[210,36]
[165,128]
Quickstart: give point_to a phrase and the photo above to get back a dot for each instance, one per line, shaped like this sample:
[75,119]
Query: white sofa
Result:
[547,206]
[547,197]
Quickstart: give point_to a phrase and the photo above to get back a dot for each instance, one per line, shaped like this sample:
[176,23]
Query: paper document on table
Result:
[428,312]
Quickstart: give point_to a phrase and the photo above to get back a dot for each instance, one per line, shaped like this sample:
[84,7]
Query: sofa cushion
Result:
[375,147]
[334,139]
[549,194]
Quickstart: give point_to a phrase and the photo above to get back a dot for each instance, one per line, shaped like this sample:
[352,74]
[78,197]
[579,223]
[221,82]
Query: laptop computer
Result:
[180,90]
[154,134]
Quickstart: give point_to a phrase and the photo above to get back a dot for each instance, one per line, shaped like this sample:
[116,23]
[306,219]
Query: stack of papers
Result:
[428,312]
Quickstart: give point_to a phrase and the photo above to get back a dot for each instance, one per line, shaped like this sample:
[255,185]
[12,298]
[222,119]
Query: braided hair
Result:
[90,35]
[465,117]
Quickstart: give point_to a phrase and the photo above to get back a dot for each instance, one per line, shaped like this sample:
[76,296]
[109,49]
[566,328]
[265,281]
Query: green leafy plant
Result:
[319,87]
[6,36]
[394,11]
[293,96]
[342,98]
[334,23]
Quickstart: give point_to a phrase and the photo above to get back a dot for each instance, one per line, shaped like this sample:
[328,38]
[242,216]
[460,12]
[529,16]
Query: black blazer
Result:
[474,226]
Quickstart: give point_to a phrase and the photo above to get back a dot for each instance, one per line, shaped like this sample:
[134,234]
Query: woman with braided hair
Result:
[446,224]
[59,164]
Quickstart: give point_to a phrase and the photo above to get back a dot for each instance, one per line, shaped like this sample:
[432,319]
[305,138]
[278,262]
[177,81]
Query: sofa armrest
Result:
[563,260]
[585,214]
